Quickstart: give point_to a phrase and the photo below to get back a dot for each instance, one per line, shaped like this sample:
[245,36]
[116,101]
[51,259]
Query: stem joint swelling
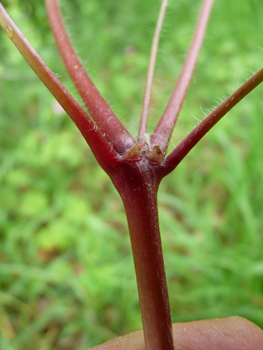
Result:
[154,155]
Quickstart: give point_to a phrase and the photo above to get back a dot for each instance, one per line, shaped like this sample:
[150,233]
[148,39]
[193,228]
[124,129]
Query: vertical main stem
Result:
[140,202]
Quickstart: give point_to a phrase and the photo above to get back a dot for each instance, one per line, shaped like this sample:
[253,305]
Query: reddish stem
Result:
[102,150]
[177,155]
[100,111]
[137,184]
[164,129]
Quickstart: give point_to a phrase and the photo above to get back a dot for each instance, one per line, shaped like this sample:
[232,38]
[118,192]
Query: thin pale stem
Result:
[102,150]
[164,129]
[176,156]
[95,103]
[150,73]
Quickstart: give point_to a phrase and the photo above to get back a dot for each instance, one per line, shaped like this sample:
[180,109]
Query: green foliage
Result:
[66,272]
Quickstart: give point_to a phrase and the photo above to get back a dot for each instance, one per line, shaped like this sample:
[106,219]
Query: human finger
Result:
[231,333]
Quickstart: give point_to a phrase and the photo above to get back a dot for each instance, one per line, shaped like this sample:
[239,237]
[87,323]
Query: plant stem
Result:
[164,129]
[103,151]
[178,154]
[137,185]
[150,73]
[98,108]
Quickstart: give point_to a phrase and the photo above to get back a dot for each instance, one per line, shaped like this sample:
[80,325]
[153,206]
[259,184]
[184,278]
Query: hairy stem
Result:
[176,156]
[138,185]
[95,103]
[102,150]
[164,129]
[150,73]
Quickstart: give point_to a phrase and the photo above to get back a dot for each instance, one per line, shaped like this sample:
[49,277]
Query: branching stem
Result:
[135,169]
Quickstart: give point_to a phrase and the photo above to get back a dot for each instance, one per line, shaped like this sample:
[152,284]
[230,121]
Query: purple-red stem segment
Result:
[164,129]
[178,154]
[103,151]
[98,108]
[137,183]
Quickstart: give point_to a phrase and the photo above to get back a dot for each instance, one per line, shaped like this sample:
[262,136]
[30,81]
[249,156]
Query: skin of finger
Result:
[231,333]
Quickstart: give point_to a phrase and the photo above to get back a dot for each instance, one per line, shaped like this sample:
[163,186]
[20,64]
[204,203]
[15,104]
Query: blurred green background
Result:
[66,272]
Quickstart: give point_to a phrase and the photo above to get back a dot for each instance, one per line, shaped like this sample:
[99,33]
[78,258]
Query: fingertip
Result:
[231,333]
